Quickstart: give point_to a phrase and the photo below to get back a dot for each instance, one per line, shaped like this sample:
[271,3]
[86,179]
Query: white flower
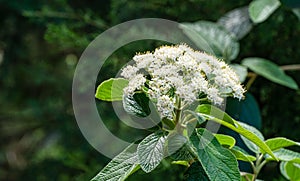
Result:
[129,72]
[165,106]
[135,83]
[143,60]
[214,95]
[180,72]
[168,52]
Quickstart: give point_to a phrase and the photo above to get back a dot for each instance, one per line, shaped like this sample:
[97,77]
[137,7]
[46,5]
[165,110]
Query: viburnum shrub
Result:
[185,86]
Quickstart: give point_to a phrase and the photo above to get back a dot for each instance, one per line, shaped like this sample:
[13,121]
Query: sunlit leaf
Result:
[252,146]
[242,155]
[111,89]
[285,155]
[280,142]
[225,140]
[215,114]
[290,170]
[260,10]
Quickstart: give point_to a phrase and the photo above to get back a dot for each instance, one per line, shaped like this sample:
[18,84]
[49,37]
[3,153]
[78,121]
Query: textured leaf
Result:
[111,89]
[217,115]
[176,146]
[280,142]
[225,140]
[212,38]
[270,71]
[242,155]
[196,173]
[260,10]
[217,162]
[290,170]
[120,167]
[252,146]
[240,70]
[151,151]
[138,104]
[285,155]
[237,22]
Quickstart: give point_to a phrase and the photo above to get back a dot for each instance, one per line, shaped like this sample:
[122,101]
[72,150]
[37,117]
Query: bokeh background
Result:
[40,44]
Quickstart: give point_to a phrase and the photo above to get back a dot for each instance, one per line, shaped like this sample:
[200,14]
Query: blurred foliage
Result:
[41,41]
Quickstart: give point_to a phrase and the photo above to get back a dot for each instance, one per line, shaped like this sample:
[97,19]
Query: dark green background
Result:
[42,41]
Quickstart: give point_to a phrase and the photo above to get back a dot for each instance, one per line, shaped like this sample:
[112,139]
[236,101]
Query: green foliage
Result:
[270,71]
[41,140]
[280,142]
[138,104]
[260,10]
[111,90]
[218,163]
[151,151]
[290,170]
[225,140]
[120,167]
[212,38]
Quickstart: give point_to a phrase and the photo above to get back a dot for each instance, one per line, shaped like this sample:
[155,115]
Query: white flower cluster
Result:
[179,71]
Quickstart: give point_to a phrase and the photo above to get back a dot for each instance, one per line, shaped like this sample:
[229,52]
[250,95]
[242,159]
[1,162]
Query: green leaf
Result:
[111,89]
[176,146]
[120,167]
[174,142]
[196,173]
[247,176]
[225,140]
[237,22]
[285,155]
[270,71]
[296,11]
[240,70]
[252,146]
[283,170]
[199,118]
[240,154]
[138,104]
[280,142]
[246,110]
[217,162]
[290,170]
[212,38]
[181,162]
[214,114]
[260,10]
[151,151]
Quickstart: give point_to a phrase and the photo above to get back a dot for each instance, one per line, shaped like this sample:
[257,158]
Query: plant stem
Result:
[251,80]
[253,75]
[178,110]
[290,67]
[258,166]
